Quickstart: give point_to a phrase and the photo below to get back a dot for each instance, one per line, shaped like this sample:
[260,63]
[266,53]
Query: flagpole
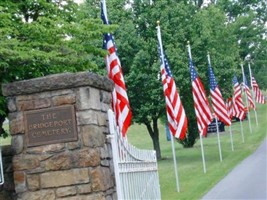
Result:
[230,110]
[105,11]
[216,120]
[231,137]
[200,134]
[242,133]
[175,165]
[243,74]
[218,137]
[173,149]
[203,156]
[253,95]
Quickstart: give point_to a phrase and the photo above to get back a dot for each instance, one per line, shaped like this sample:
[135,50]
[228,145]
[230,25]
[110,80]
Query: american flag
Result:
[247,90]
[201,104]
[229,106]
[177,120]
[218,104]
[120,102]
[238,106]
[259,98]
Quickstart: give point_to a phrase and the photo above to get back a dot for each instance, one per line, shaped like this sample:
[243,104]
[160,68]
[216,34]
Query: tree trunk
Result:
[154,134]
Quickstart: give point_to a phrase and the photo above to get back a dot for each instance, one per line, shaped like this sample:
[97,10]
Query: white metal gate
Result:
[136,170]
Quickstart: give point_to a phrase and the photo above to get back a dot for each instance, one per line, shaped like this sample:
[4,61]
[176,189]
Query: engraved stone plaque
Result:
[49,126]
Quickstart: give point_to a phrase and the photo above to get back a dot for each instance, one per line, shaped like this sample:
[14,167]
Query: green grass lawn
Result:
[193,182]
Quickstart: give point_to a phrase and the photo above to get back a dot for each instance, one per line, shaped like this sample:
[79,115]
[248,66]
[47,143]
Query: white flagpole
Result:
[231,137]
[217,127]
[200,134]
[218,137]
[252,92]
[202,152]
[242,133]
[244,78]
[230,127]
[175,165]
[173,149]
[105,10]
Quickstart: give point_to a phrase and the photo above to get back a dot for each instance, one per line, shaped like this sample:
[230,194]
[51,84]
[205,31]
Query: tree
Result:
[45,37]
[137,48]
[235,30]
[248,20]
[145,94]
[180,22]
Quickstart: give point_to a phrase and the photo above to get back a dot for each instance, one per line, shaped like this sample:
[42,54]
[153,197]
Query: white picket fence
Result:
[136,170]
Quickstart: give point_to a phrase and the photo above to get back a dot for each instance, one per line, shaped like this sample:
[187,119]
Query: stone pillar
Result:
[47,163]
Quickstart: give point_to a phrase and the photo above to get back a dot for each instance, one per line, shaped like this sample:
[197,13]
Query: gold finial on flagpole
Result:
[158,22]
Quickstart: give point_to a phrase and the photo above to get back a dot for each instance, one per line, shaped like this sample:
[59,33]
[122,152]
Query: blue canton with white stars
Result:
[193,71]
[167,67]
[234,81]
[107,36]
[213,83]
[166,63]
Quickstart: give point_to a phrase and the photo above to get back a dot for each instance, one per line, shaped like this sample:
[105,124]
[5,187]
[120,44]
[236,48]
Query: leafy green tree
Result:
[180,22]
[259,65]
[213,35]
[248,20]
[45,37]
[64,37]
[145,94]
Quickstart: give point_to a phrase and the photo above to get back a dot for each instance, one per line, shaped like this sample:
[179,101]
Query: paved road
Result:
[247,181]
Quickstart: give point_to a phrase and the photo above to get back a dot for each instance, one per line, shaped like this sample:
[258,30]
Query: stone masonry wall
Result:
[77,170]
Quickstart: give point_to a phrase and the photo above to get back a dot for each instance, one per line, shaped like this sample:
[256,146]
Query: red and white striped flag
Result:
[201,104]
[177,120]
[229,106]
[247,90]
[259,98]
[218,104]
[238,106]
[120,102]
